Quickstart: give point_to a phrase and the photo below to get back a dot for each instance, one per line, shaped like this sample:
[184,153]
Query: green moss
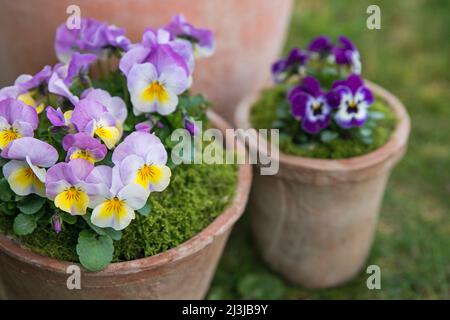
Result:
[264,115]
[196,195]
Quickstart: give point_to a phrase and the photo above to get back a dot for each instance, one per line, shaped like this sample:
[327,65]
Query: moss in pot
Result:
[90,174]
[340,136]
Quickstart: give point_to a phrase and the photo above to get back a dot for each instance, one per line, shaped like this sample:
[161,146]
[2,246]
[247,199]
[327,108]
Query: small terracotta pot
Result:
[184,272]
[314,221]
[249,34]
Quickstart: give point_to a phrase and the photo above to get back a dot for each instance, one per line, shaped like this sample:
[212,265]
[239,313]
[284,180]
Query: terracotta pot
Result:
[184,272]
[314,221]
[249,33]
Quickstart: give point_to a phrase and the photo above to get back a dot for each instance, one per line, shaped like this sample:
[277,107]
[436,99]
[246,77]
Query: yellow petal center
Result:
[148,174]
[83,154]
[8,135]
[157,91]
[109,135]
[28,99]
[113,207]
[72,200]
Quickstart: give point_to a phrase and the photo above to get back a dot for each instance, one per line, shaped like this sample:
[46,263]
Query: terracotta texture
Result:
[184,272]
[249,34]
[314,221]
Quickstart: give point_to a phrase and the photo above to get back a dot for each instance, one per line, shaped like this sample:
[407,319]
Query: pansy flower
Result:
[202,39]
[115,203]
[92,37]
[347,53]
[16,120]
[59,119]
[83,146]
[142,159]
[94,119]
[63,75]
[320,45]
[25,172]
[28,89]
[66,185]
[310,106]
[115,105]
[352,99]
[282,68]
[190,125]
[158,49]
[155,89]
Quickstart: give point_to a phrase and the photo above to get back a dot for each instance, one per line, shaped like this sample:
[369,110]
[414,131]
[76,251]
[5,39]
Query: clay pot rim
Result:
[190,247]
[396,142]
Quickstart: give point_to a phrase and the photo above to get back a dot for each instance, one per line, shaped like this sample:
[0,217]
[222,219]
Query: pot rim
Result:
[190,247]
[396,143]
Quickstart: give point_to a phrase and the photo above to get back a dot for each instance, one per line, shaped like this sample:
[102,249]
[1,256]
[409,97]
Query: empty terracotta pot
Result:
[249,34]
[314,221]
[184,272]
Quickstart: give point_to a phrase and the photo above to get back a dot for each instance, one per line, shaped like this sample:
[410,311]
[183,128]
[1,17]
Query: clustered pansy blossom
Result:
[85,155]
[324,85]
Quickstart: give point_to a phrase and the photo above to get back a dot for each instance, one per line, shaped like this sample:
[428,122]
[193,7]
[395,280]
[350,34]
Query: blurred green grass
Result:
[410,56]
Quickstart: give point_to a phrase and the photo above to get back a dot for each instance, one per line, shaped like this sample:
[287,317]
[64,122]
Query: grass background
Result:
[409,56]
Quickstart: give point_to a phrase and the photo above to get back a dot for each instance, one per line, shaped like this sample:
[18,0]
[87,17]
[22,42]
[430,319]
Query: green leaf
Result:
[95,252]
[327,136]
[114,234]
[68,218]
[145,210]
[261,286]
[6,194]
[31,204]
[24,224]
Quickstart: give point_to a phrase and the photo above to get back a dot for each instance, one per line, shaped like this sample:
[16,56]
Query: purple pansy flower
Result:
[66,185]
[281,68]
[321,45]
[158,49]
[352,99]
[202,39]
[115,105]
[347,53]
[190,126]
[16,120]
[309,104]
[94,119]
[115,203]
[63,75]
[25,172]
[57,223]
[156,89]
[92,37]
[59,119]
[142,159]
[83,146]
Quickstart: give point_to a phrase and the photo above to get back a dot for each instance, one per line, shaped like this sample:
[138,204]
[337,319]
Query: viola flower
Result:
[282,68]
[27,88]
[142,159]
[16,120]
[156,90]
[158,49]
[59,119]
[63,75]
[190,126]
[114,105]
[114,205]
[145,126]
[94,119]
[25,172]
[66,185]
[57,223]
[92,37]
[352,100]
[310,105]
[83,146]
[202,39]
[321,45]
[347,53]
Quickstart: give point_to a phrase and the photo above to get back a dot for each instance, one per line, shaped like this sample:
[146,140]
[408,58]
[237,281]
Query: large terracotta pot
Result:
[249,35]
[314,221]
[184,272]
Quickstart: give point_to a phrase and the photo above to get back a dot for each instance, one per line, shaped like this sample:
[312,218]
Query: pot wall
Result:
[314,222]
[249,34]
[184,272]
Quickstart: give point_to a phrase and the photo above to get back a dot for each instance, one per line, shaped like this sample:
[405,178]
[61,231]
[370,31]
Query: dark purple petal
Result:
[346,43]
[320,44]
[366,94]
[333,98]
[316,126]
[312,86]
[299,102]
[354,82]
[190,126]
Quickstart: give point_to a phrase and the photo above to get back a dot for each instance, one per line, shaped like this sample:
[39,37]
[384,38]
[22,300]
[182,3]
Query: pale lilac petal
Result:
[136,55]
[137,143]
[39,152]
[134,195]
